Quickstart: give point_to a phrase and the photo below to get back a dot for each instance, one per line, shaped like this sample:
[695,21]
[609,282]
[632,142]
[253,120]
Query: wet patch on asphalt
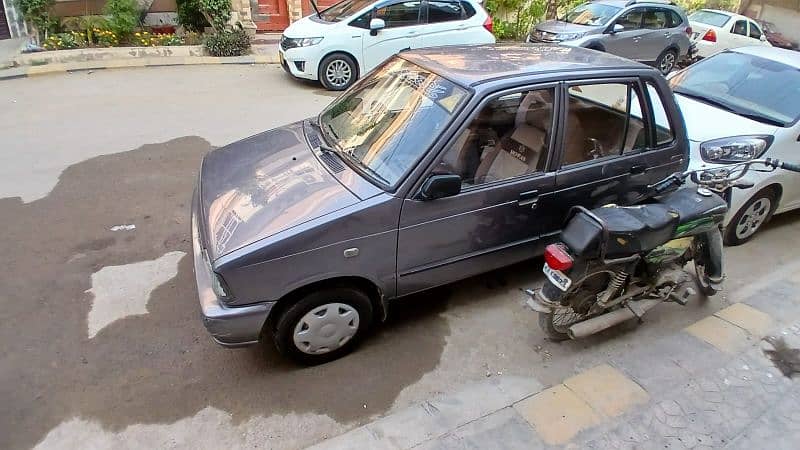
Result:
[159,367]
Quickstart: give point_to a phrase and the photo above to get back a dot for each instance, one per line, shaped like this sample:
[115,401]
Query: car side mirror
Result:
[375,25]
[617,28]
[440,186]
[763,38]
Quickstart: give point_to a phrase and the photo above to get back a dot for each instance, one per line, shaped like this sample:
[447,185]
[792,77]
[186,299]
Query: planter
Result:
[163,29]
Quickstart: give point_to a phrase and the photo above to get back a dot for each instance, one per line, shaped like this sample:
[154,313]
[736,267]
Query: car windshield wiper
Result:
[763,119]
[348,152]
[706,100]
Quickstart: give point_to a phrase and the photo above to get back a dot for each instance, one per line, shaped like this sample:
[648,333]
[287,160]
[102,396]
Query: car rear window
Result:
[710,18]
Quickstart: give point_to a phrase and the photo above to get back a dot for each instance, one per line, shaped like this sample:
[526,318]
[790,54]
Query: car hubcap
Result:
[326,328]
[667,63]
[338,73]
[753,218]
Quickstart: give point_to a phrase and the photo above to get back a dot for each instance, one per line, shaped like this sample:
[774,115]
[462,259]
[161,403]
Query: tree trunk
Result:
[551,11]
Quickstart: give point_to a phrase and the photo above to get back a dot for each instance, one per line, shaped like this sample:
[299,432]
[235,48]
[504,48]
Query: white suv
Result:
[352,37]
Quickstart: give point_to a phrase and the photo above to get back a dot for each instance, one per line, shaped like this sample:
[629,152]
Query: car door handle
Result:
[530,198]
[638,169]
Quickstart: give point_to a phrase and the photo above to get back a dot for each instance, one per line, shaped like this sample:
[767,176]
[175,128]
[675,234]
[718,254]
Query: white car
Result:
[714,31]
[743,104]
[352,37]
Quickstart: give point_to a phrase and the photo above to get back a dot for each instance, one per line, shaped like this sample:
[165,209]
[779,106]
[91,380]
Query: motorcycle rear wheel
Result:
[582,295]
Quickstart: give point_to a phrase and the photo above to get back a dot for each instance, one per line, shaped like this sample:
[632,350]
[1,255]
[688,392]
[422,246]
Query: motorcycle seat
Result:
[691,206]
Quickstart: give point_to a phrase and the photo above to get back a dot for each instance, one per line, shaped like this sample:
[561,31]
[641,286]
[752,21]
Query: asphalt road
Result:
[102,344]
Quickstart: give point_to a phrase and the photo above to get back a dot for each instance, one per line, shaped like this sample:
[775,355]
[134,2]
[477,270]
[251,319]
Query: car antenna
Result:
[314,5]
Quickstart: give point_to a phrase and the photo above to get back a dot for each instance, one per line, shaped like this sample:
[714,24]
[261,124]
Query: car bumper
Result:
[301,62]
[706,48]
[229,327]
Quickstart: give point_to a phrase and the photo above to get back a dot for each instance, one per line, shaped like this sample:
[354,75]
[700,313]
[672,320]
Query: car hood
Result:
[306,28]
[557,26]
[262,185]
[705,122]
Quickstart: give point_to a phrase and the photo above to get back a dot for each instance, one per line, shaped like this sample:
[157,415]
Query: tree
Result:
[37,14]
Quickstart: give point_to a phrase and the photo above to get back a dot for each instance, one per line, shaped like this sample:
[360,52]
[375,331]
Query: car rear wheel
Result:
[667,61]
[337,72]
[323,325]
[751,217]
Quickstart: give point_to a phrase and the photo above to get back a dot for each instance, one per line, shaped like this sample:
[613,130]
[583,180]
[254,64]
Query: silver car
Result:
[653,32]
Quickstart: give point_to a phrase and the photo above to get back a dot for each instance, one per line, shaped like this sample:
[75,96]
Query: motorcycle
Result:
[614,263]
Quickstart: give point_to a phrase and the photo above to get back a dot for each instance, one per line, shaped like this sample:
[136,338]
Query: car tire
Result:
[338,72]
[667,61]
[323,325]
[751,217]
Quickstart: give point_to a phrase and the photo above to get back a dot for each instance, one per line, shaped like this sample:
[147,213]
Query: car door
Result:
[446,24]
[756,35]
[626,42]
[614,144]
[657,37]
[501,154]
[403,25]
[739,37]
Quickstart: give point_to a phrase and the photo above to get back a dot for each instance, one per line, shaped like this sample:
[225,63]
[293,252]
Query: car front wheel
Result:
[751,217]
[666,61]
[323,325]
[337,72]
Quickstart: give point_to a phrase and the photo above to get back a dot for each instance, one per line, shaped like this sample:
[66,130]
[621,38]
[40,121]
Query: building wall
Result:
[785,14]
[68,8]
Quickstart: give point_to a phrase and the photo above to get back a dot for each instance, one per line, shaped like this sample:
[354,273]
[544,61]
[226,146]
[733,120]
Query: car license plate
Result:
[557,277]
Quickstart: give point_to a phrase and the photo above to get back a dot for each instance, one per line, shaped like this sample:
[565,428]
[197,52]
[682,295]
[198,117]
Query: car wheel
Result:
[323,325]
[666,61]
[337,72]
[751,217]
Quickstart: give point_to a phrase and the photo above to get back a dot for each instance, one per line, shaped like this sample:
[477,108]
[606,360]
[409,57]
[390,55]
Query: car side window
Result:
[469,11]
[755,32]
[399,14]
[508,138]
[632,20]
[655,19]
[442,11]
[603,120]
[675,19]
[361,21]
[664,133]
[740,27]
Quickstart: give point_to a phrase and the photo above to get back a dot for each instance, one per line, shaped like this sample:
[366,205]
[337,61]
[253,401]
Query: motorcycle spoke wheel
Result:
[584,293]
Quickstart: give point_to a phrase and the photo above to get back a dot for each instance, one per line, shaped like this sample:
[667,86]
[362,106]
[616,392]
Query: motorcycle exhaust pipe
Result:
[609,319]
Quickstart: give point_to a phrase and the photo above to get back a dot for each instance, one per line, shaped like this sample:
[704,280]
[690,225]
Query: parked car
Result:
[775,37]
[714,31]
[744,104]
[654,32]
[441,164]
[352,37]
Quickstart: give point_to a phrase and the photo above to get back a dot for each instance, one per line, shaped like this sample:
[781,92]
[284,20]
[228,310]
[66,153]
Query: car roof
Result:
[470,65]
[781,55]
[727,13]
[624,3]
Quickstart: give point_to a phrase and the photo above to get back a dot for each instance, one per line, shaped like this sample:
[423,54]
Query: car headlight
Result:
[218,285]
[570,36]
[734,149]
[307,42]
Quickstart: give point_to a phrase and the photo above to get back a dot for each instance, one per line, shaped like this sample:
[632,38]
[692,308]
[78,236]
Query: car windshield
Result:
[754,87]
[710,18]
[387,122]
[343,10]
[593,14]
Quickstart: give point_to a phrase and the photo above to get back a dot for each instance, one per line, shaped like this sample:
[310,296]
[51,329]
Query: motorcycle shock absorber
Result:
[614,286]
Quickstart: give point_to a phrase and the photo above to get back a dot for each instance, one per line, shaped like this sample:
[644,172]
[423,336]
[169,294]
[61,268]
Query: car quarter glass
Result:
[508,138]
[384,125]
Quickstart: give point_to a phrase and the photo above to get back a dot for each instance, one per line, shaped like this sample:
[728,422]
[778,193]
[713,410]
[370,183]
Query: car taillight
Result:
[488,24]
[557,258]
[710,36]
[689,31]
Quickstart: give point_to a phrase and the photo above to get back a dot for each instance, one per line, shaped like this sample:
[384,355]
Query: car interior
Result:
[511,135]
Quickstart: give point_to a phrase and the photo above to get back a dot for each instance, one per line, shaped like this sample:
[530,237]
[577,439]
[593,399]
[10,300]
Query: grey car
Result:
[441,164]
[652,32]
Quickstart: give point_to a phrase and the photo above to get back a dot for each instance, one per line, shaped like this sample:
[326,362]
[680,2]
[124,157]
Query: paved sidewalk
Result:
[710,386]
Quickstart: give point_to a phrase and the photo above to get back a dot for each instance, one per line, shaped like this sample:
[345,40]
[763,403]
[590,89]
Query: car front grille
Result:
[542,36]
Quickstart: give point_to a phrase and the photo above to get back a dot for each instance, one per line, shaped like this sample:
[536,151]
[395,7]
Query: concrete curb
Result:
[264,55]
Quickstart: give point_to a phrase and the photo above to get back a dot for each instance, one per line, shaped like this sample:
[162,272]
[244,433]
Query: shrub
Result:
[190,15]
[37,14]
[87,24]
[124,17]
[146,39]
[61,41]
[227,42]
[192,38]
[218,12]
[105,38]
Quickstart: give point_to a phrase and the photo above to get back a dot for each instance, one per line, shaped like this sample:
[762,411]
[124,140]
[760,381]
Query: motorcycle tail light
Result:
[557,257]
[710,36]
